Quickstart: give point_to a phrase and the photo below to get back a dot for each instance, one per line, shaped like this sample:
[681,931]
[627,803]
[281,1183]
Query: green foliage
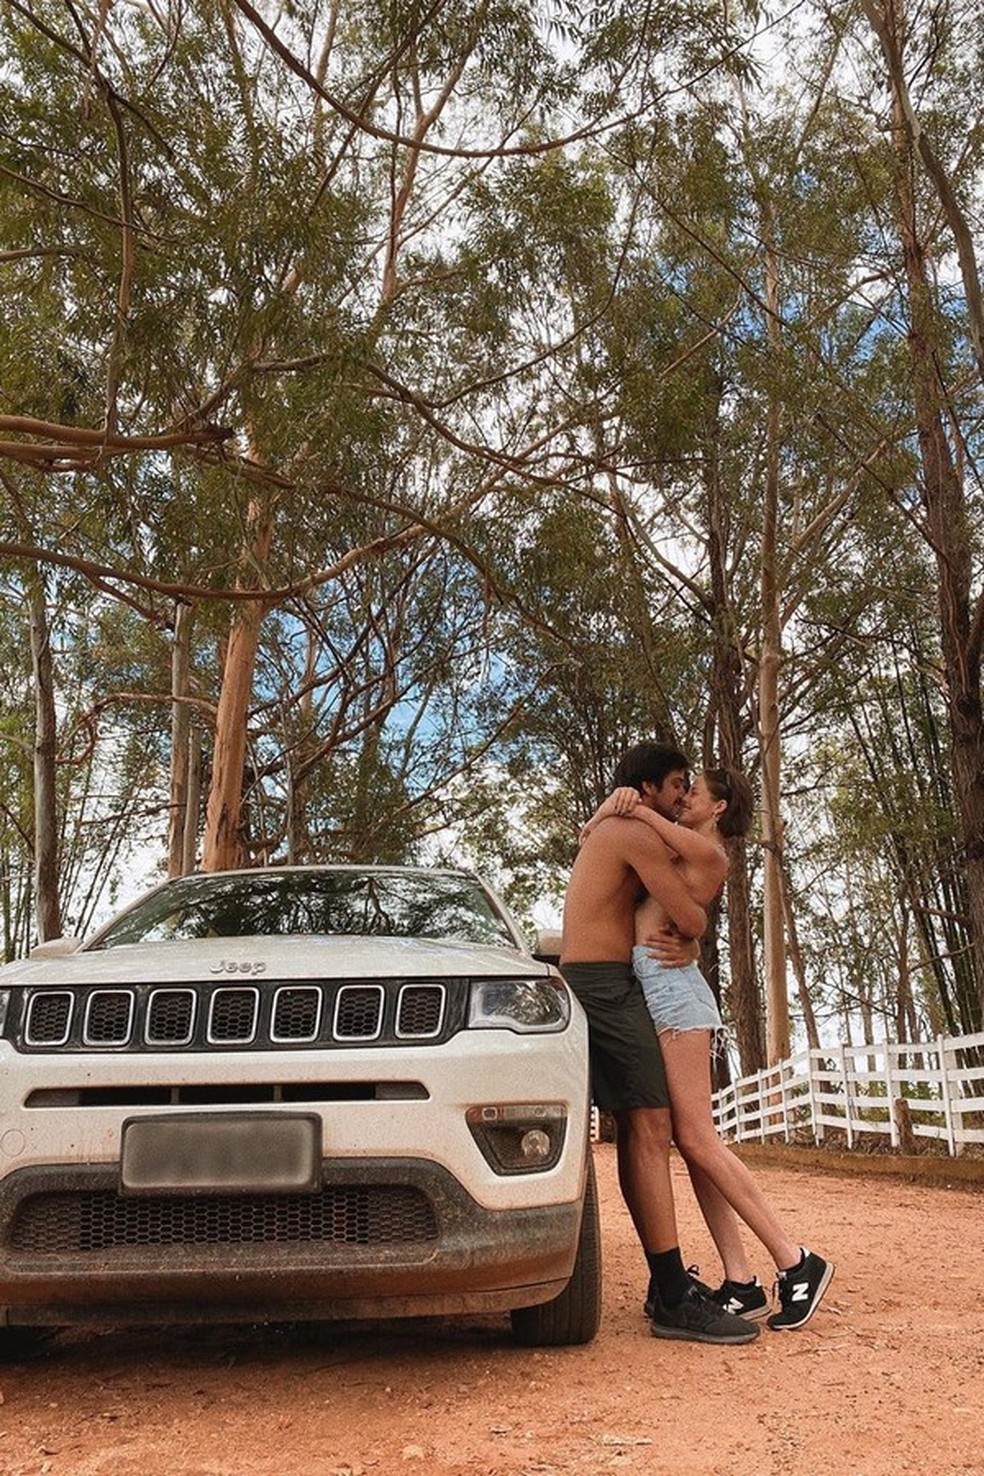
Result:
[543,377]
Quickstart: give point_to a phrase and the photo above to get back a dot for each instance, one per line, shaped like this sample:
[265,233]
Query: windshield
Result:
[387,904]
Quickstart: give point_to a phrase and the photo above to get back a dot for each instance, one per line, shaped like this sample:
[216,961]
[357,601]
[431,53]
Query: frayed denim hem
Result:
[720,1036]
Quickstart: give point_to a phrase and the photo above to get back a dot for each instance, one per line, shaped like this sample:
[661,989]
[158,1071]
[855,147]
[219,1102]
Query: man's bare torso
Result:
[618,863]
[599,910]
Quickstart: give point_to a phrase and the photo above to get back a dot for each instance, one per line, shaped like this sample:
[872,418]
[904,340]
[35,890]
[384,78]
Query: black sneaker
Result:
[799,1291]
[743,1299]
[652,1298]
[698,1319]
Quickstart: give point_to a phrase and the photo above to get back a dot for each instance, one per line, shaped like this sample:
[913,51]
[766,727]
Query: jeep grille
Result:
[238,1017]
[51,1224]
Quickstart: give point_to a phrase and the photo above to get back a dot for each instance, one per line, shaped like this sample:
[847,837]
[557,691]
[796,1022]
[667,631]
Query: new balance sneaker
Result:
[698,1319]
[799,1291]
[743,1299]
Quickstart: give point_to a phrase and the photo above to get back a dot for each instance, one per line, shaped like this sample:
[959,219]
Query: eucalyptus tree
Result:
[658,580]
[812,343]
[17,737]
[73,803]
[747,290]
[842,415]
[813,427]
[877,778]
[910,105]
[879,895]
[254,342]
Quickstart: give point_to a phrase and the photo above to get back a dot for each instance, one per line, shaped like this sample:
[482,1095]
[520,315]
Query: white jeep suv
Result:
[298,1093]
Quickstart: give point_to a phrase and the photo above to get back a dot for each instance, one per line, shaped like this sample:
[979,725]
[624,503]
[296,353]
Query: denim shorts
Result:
[678,998]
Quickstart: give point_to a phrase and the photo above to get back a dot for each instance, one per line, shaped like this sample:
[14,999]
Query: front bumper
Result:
[382,1238]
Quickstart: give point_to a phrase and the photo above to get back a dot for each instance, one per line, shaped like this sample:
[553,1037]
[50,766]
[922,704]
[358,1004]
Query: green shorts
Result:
[626,1061]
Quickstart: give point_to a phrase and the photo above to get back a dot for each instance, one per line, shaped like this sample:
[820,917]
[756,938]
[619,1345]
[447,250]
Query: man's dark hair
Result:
[735,790]
[648,761]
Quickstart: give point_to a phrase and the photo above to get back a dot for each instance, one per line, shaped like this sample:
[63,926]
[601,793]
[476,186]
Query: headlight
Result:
[519,1004]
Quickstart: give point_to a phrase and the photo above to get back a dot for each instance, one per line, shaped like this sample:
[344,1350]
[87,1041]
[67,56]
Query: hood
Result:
[250,960]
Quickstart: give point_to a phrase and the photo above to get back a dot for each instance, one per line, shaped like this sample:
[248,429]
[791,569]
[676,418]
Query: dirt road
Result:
[887,1378]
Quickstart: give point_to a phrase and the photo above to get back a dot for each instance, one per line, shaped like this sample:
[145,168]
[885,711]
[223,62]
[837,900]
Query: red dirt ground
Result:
[886,1379]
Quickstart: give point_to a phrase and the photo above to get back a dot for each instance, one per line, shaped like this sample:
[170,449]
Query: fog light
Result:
[535,1145]
[519,1138]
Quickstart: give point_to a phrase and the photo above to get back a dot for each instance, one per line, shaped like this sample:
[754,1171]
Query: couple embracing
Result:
[650,861]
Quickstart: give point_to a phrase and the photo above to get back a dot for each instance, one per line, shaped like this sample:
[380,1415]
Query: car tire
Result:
[574,1316]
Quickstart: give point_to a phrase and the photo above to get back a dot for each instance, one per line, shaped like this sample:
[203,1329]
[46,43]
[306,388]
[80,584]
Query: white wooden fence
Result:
[851,1093]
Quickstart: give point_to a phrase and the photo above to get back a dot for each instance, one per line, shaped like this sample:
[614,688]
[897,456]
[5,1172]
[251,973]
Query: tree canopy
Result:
[405,408]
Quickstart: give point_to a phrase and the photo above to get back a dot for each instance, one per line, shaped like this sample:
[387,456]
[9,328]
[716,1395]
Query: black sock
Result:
[668,1276]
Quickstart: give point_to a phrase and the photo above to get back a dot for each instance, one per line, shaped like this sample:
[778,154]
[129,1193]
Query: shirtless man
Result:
[617,863]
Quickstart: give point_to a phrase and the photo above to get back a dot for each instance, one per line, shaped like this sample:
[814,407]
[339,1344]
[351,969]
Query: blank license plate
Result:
[212,1153]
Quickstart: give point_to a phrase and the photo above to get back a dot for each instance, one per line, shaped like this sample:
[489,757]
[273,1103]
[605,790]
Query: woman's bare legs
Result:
[686,1056]
[722,1222]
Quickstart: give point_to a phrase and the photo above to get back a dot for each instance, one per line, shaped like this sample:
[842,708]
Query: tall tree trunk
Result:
[798,964]
[904,1004]
[180,741]
[744,999]
[299,847]
[774,934]
[47,901]
[224,845]
[194,799]
[949,536]
[728,709]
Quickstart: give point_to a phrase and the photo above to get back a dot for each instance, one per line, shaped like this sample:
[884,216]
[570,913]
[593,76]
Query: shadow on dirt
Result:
[97,1350]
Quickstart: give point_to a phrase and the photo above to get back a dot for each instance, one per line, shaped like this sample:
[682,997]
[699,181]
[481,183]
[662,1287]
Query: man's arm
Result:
[651,860]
